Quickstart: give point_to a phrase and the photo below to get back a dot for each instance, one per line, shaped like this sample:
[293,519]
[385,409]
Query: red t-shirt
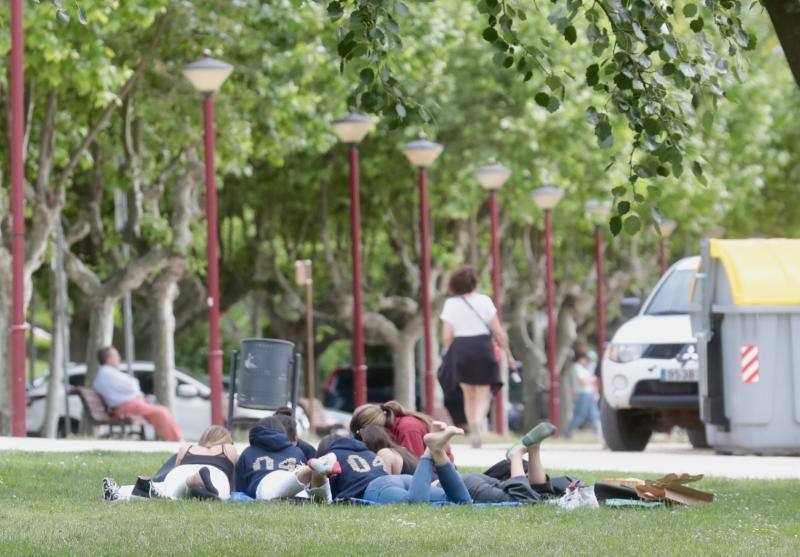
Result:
[408,432]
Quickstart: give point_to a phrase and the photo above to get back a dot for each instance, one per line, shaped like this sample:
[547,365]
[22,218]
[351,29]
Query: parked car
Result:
[338,391]
[192,408]
[650,368]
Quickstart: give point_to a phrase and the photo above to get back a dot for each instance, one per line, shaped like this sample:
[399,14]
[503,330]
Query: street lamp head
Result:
[715,232]
[493,177]
[207,75]
[667,226]
[599,209]
[547,198]
[352,128]
[302,271]
[421,152]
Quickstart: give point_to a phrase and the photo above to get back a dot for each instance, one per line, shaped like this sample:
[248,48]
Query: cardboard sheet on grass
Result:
[666,490]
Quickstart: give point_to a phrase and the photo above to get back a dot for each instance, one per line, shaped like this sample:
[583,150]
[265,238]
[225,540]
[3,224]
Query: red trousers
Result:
[157,415]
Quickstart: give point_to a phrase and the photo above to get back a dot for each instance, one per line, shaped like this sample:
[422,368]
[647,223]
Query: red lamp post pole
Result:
[601,304]
[214,349]
[662,255]
[18,406]
[425,233]
[551,320]
[359,367]
[500,420]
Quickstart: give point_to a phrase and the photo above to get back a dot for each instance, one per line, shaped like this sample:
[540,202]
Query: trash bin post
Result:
[232,386]
[298,366]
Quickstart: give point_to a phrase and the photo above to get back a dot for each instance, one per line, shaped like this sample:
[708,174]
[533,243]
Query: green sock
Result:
[538,434]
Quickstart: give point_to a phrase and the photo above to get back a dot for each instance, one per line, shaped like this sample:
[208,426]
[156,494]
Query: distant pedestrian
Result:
[123,395]
[586,396]
[475,341]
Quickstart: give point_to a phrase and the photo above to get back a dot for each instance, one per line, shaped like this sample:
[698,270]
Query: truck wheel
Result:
[697,437]
[624,430]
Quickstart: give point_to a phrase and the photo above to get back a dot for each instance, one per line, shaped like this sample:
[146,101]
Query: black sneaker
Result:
[110,489]
[205,475]
[143,487]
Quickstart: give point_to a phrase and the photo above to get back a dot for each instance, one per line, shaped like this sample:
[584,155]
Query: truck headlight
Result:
[624,353]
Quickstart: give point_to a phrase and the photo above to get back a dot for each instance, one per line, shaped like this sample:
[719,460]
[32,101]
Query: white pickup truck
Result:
[650,368]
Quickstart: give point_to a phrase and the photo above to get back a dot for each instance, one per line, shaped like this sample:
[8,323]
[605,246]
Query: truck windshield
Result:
[672,297]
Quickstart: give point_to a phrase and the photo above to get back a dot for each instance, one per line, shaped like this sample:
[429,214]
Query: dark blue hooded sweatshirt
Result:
[359,467]
[269,450]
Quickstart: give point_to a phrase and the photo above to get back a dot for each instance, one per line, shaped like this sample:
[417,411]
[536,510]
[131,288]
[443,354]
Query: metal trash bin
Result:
[268,375]
[746,318]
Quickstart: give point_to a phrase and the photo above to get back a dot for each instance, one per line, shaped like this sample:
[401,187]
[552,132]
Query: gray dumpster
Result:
[746,318]
[264,375]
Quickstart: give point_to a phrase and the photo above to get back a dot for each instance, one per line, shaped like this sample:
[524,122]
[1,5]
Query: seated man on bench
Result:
[124,397]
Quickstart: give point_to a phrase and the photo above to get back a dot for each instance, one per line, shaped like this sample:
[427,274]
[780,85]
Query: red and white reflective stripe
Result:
[750,367]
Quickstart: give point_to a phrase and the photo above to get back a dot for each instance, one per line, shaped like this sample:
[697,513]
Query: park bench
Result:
[98,414]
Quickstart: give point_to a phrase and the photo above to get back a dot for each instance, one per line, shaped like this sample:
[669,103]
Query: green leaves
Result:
[592,75]
[490,34]
[570,34]
[690,10]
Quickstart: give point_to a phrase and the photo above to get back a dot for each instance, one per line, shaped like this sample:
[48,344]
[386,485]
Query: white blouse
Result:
[464,320]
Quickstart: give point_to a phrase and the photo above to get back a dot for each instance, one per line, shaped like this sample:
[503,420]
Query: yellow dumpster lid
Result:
[761,272]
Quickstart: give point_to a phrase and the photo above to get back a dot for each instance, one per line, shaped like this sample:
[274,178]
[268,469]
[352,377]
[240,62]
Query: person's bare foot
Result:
[437,426]
[438,440]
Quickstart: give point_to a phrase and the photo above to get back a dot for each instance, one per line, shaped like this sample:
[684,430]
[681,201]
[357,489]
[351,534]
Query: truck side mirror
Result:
[629,307]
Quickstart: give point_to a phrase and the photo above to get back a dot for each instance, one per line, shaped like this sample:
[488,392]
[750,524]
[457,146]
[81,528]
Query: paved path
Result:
[660,458]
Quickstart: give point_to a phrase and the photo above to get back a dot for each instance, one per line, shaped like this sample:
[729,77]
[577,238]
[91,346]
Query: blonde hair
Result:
[215,435]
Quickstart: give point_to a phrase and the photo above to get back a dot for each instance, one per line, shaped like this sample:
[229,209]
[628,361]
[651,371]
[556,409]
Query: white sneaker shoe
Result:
[326,465]
[110,489]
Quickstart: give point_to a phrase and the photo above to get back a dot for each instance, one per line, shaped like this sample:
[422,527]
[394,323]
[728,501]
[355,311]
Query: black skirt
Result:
[473,361]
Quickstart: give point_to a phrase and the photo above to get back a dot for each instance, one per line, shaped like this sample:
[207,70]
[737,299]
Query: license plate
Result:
[678,375]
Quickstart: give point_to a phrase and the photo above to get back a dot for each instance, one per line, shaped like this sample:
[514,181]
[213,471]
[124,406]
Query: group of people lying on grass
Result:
[390,455]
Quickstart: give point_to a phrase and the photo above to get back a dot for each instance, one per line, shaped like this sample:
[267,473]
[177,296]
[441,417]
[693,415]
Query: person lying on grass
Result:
[363,475]
[406,427]
[202,470]
[274,467]
[396,459]
[525,486]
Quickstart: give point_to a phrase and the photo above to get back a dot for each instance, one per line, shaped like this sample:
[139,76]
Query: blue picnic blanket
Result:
[241,497]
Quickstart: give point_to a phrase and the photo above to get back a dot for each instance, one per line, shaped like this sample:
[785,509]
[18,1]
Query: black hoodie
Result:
[269,450]
[359,467]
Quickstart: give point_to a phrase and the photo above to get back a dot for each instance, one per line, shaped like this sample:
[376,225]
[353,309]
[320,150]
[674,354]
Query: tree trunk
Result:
[55,393]
[785,15]
[163,340]
[529,347]
[101,332]
[404,363]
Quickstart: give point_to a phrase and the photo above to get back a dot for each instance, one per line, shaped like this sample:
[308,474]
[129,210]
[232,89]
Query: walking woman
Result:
[470,330]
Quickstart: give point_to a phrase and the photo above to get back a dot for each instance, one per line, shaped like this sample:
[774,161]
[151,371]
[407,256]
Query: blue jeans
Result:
[585,409]
[418,488]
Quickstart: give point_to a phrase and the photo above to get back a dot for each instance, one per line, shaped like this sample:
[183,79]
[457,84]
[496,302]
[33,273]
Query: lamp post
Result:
[492,178]
[599,212]
[546,199]
[207,76]
[667,228]
[422,153]
[18,326]
[304,277]
[351,129]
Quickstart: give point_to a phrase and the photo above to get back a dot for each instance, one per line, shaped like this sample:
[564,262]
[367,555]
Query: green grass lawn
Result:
[50,504]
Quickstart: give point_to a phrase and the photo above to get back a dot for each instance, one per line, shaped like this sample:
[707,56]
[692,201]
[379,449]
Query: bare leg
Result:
[469,402]
[483,400]
[516,462]
[536,474]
